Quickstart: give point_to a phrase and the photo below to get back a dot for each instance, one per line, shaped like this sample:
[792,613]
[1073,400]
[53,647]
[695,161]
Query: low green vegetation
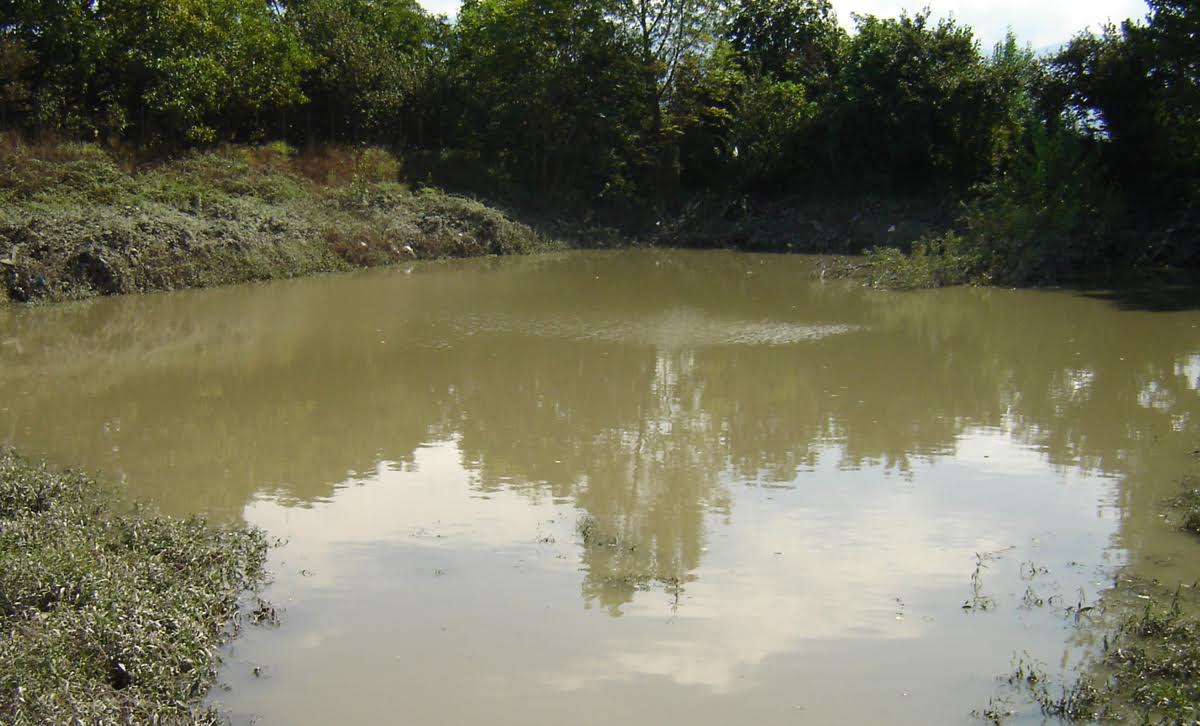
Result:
[1148,670]
[77,220]
[109,616]
[1048,218]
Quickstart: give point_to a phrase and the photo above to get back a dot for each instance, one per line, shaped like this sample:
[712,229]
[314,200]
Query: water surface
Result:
[633,486]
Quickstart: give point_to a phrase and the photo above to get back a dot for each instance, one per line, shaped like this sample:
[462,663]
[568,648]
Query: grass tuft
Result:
[1148,670]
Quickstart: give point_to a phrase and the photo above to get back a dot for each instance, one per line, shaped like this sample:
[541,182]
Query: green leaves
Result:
[371,56]
[169,69]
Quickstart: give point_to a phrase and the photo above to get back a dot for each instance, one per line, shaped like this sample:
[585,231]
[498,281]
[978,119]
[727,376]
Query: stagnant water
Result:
[634,487]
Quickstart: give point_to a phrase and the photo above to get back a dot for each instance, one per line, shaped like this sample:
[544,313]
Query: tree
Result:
[914,105]
[662,34]
[179,70]
[788,40]
[1139,87]
[789,53]
[550,91]
[370,58]
[16,62]
[68,80]
[202,65]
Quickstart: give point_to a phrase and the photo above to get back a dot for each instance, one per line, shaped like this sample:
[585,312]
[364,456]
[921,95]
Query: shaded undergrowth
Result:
[109,616]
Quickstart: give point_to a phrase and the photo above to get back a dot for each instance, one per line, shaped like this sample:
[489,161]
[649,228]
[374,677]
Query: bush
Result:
[334,166]
[936,262]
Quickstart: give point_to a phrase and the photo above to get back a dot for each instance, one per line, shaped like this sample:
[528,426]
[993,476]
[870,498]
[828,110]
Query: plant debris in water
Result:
[108,616]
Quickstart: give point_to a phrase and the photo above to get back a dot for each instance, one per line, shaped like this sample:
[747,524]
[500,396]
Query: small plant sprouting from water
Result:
[979,601]
[592,535]
[1080,608]
[1030,569]
[1078,701]
[997,710]
[1031,599]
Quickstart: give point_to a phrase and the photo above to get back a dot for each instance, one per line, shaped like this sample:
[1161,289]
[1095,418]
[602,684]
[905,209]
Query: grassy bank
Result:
[77,220]
[108,616]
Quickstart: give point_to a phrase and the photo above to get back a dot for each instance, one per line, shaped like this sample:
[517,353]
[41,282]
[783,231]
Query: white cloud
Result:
[441,7]
[1035,21]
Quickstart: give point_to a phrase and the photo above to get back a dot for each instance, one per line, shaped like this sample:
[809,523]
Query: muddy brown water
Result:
[637,486]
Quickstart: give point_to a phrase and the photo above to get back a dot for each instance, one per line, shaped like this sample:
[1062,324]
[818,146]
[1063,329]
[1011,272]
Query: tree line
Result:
[635,103]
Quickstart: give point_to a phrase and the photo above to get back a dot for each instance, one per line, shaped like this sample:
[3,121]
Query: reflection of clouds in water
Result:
[1189,368]
[988,450]
[1163,395]
[838,567]
[675,328]
[831,571]
[795,579]
[394,509]
[1153,395]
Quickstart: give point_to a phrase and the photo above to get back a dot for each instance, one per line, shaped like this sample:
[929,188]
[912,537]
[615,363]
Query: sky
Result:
[1041,23]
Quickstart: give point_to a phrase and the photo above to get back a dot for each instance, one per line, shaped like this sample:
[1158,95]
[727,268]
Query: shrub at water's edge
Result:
[935,262]
[77,221]
[1046,218]
[109,616]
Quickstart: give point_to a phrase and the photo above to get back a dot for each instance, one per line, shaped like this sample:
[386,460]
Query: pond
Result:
[634,486]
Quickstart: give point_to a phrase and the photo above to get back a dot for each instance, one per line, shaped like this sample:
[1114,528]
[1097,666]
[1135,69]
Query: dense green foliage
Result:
[110,617]
[1082,161]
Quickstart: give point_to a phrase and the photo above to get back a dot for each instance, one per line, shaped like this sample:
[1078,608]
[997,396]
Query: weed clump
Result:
[109,616]
[1149,669]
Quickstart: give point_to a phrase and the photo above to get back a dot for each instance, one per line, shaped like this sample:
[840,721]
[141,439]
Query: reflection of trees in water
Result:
[626,437]
[1108,392]
[292,390]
